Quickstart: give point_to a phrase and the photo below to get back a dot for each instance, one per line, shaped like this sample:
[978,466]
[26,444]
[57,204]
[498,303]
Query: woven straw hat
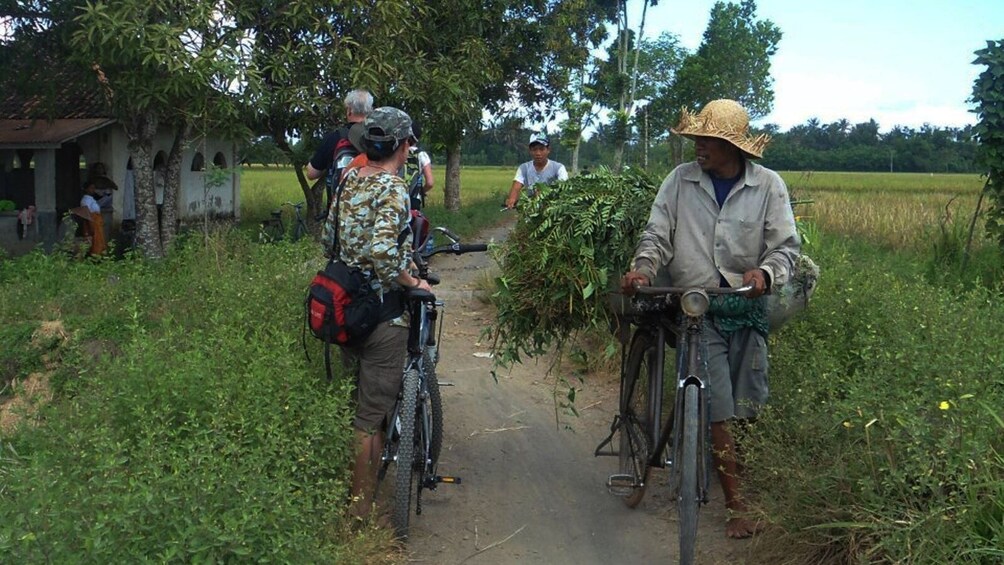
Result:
[724,119]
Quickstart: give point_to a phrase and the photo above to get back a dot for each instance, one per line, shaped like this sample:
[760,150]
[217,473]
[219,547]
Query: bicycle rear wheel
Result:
[299,230]
[270,231]
[405,479]
[689,497]
[635,441]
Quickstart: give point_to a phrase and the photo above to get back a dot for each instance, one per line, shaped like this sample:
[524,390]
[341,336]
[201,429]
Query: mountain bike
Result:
[273,229]
[413,436]
[680,439]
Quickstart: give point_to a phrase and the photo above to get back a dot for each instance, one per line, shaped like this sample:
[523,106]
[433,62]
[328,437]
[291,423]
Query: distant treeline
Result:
[838,146]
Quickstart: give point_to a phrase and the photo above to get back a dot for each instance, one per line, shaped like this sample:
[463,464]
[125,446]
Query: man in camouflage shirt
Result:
[374,235]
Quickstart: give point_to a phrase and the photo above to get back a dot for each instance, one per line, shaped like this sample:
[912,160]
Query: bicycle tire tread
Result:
[688,499]
[405,467]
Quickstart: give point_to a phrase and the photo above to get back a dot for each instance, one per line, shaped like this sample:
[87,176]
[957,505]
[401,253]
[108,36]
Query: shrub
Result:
[189,427]
[883,440]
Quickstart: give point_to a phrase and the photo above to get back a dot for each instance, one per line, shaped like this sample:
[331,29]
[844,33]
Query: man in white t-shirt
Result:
[540,169]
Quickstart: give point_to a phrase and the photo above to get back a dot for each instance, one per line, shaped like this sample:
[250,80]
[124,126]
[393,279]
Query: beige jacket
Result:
[695,240]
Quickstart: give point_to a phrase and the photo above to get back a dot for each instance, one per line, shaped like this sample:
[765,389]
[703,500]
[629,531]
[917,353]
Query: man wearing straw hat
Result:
[723,220]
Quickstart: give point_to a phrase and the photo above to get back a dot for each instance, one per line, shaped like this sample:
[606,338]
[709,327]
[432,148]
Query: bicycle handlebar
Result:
[661,290]
[456,249]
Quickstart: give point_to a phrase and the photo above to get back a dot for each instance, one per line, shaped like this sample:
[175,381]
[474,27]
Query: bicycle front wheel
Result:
[435,408]
[689,497]
[405,479]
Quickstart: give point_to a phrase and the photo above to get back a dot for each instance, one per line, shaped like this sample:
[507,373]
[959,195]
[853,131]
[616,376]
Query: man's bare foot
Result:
[740,527]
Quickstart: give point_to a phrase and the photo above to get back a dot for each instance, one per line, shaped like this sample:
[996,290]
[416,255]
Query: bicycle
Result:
[643,431]
[273,230]
[413,434]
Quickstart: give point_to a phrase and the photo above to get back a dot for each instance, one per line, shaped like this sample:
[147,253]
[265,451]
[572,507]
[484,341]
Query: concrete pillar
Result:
[45,196]
[235,178]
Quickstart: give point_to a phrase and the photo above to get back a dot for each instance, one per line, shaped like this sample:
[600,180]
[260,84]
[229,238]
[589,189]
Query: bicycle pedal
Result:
[448,480]
[622,485]
[446,383]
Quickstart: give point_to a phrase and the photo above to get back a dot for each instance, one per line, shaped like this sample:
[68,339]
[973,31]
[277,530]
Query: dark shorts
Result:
[380,365]
[738,373]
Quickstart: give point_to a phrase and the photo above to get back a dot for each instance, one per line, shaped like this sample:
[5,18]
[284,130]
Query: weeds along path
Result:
[532,490]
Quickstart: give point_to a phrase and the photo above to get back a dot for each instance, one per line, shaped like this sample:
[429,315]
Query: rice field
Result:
[895,210]
[263,189]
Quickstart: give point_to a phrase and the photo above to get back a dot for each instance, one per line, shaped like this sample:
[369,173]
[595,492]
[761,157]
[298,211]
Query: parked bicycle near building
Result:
[273,229]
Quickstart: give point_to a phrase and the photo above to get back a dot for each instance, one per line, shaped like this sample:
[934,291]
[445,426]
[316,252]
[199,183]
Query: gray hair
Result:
[359,102]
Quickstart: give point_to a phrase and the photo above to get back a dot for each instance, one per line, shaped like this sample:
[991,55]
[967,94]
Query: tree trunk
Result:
[575,155]
[676,150]
[172,189]
[452,197]
[644,142]
[140,132]
[313,193]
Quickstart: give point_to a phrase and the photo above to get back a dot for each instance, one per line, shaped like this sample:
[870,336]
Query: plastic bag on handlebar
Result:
[792,298]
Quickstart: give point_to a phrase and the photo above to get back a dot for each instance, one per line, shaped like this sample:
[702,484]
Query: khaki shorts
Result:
[737,365]
[379,364]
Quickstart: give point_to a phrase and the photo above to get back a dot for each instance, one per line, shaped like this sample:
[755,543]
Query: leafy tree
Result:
[658,63]
[501,57]
[617,80]
[303,57]
[160,65]
[988,94]
[262,150]
[733,61]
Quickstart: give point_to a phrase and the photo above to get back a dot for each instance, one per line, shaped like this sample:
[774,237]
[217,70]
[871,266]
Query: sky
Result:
[899,62]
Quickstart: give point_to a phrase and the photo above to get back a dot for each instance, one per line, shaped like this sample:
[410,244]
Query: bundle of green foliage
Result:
[572,242]
[6,205]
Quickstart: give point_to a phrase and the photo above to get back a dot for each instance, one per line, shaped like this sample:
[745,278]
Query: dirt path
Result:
[533,492]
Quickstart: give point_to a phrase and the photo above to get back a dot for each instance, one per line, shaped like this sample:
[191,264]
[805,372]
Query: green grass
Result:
[264,189]
[187,425]
[883,441]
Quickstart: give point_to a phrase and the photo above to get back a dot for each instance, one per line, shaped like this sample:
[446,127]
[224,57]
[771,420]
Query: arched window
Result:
[219,160]
[198,162]
[160,160]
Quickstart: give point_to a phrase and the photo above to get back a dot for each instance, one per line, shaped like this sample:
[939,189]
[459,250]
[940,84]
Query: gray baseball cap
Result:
[387,124]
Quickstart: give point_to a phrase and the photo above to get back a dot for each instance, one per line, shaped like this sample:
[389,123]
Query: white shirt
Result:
[423,160]
[528,175]
[91,203]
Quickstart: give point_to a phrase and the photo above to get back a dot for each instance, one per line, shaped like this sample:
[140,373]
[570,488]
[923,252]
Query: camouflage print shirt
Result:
[374,217]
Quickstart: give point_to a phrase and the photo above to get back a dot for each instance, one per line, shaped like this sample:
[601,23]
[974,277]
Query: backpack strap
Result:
[336,247]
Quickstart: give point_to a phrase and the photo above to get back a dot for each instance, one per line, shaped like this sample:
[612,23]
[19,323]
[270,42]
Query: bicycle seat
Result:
[432,279]
[419,294]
